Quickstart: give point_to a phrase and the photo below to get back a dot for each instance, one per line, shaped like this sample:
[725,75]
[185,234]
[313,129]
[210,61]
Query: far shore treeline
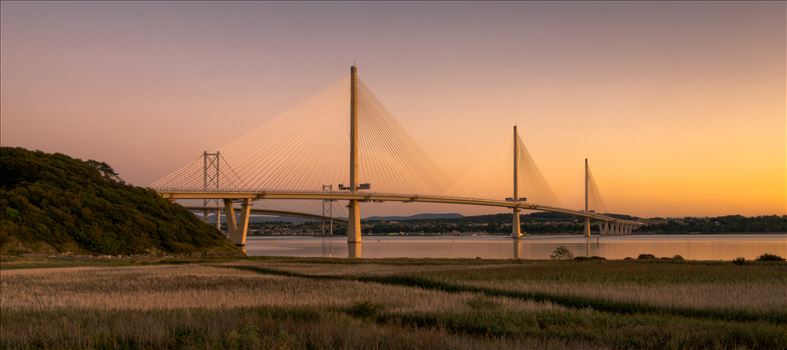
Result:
[52,203]
[533,223]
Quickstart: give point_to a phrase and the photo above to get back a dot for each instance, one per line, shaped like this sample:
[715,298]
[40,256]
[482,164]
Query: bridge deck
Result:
[272,212]
[383,197]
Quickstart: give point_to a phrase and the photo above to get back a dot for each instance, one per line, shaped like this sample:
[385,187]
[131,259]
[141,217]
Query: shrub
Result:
[646,257]
[562,253]
[770,257]
[678,257]
[586,258]
[739,261]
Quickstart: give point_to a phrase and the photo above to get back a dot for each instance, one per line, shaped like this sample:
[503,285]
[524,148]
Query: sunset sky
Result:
[680,107]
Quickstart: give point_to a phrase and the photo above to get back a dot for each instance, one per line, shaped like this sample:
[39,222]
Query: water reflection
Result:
[699,247]
[518,249]
[354,250]
[327,248]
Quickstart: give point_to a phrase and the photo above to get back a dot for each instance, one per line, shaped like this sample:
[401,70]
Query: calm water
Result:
[696,247]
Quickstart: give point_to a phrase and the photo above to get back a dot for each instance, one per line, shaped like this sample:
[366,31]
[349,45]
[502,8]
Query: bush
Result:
[586,258]
[769,257]
[646,257]
[739,261]
[678,257]
[562,253]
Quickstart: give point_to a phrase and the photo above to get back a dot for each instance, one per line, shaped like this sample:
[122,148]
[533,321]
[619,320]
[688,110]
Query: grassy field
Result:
[292,303]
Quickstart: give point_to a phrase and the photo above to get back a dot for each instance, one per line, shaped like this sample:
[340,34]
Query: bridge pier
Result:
[587,227]
[516,224]
[237,232]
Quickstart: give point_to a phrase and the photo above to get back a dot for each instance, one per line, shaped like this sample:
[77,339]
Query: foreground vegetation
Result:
[391,303]
[52,203]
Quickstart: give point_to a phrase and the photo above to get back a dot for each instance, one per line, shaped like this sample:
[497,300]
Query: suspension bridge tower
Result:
[354,210]
[587,185]
[515,224]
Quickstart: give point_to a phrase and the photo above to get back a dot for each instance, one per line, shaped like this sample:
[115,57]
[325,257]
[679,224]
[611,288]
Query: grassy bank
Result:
[390,303]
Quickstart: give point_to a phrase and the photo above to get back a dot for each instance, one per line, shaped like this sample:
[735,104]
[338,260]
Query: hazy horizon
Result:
[679,106]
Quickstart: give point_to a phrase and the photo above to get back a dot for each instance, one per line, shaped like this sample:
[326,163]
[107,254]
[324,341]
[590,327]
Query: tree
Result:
[105,170]
[562,253]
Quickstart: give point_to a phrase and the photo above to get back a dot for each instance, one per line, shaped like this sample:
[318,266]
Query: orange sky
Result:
[679,106]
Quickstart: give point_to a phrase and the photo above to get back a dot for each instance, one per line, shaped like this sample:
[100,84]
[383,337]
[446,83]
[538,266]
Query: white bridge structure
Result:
[303,149]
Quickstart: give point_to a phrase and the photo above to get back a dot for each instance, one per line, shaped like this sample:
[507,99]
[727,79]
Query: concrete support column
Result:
[229,213]
[238,230]
[587,227]
[516,227]
[218,218]
[243,227]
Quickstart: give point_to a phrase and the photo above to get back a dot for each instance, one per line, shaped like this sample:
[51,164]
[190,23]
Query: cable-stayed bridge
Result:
[302,155]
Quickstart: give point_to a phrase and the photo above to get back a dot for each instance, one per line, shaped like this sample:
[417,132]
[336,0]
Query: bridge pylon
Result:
[516,225]
[353,208]
[587,186]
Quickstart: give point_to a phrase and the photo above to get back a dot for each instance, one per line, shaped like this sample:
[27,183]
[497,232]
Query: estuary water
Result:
[693,247]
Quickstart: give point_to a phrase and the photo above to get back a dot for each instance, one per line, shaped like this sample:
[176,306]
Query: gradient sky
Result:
[679,106]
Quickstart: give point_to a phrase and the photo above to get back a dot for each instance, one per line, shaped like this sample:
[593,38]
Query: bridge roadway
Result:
[294,214]
[384,197]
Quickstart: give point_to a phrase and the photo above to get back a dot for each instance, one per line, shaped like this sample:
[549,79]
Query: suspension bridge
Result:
[305,148]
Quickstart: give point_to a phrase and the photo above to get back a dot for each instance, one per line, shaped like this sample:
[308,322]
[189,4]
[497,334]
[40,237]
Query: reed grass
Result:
[196,286]
[391,303]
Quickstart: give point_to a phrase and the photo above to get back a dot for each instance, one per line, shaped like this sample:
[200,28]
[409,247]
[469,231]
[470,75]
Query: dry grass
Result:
[196,286]
[760,294]
[756,296]
[387,304]
[366,269]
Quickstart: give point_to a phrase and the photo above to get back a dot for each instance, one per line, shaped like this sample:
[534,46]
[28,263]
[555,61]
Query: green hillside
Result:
[52,203]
